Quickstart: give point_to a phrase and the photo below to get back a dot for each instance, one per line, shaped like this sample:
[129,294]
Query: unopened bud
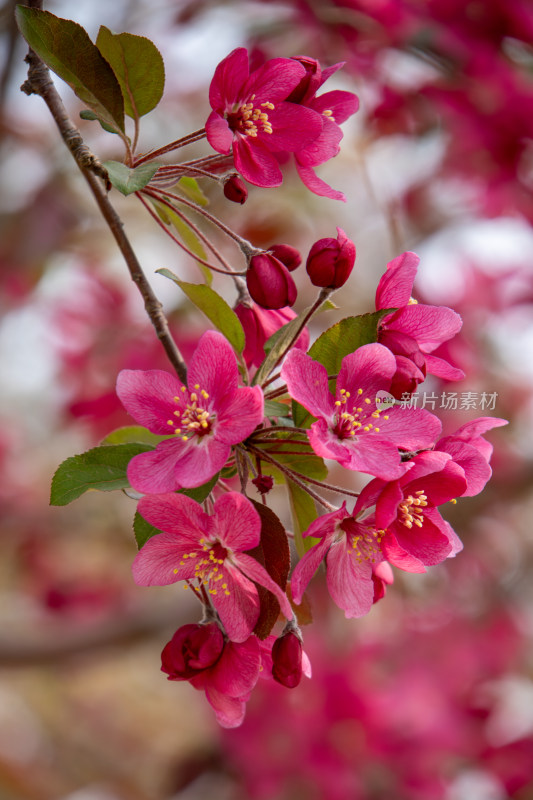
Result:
[235,190]
[288,255]
[330,261]
[287,660]
[263,483]
[269,282]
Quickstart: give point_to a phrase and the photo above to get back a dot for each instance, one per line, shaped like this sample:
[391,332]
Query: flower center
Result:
[192,419]
[250,119]
[410,510]
[365,541]
[208,567]
[360,419]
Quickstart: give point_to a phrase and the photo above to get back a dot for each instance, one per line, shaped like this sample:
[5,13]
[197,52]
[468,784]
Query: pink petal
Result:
[229,711]
[148,396]
[219,134]
[154,472]
[307,382]
[239,415]
[239,608]
[341,104]
[477,427]
[254,570]
[428,325]
[317,185]
[441,487]
[323,147]
[255,162]
[429,544]
[387,504]
[237,671]
[409,428]
[370,368]
[273,81]
[307,566]
[396,285]
[293,127]
[201,461]
[160,561]
[238,524]
[175,514]
[214,368]
[399,557]
[349,582]
[442,369]
[230,75]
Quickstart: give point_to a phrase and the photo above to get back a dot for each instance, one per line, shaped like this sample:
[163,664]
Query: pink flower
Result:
[405,511]
[250,116]
[209,549]
[333,107]
[259,325]
[350,428]
[284,660]
[471,451]
[207,418]
[350,550]
[414,330]
[226,671]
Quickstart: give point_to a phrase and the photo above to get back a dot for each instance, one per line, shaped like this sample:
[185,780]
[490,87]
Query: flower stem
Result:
[168,148]
[294,477]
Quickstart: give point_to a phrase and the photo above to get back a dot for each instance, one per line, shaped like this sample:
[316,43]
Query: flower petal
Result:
[201,461]
[396,285]
[307,382]
[237,605]
[229,711]
[238,524]
[148,396]
[317,185]
[160,561]
[349,580]
[154,472]
[219,134]
[307,566]
[237,671]
[176,514]
[255,162]
[230,76]
[274,80]
[213,368]
[239,415]
[293,127]
[254,570]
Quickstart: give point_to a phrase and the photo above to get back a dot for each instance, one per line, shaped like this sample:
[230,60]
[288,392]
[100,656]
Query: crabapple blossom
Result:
[209,549]
[471,451]
[251,118]
[350,428]
[330,261]
[269,282]
[206,417]
[259,325]
[227,671]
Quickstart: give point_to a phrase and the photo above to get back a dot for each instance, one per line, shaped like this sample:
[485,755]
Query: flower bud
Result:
[288,255]
[269,282]
[330,261]
[235,190]
[259,325]
[287,660]
[263,483]
[192,649]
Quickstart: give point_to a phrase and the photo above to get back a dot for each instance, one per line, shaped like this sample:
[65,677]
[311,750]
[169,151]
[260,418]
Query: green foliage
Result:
[276,346]
[89,115]
[303,514]
[189,187]
[102,468]
[128,180]
[334,344]
[143,530]
[275,409]
[187,236]
[138,67]
[214,307]
[66,48]
[133,433]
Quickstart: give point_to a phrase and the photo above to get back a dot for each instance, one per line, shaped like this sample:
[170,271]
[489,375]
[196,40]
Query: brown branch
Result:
[40,83]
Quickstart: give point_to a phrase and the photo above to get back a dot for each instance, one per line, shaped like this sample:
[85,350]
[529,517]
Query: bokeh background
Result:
[430,697]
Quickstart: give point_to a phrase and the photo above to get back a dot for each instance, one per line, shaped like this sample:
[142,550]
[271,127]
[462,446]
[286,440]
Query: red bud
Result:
[235,190]
[288,255]
[192,649]
[269,282]
[330,261]
[287,660]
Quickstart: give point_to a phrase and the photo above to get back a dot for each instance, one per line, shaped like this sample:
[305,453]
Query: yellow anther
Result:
[359,391]
[185,438]
[385,416]
[177,399]
[376,430]
[367,401]
[204,394]
[183,389]
[176,571]
[196,385]
[337,402]
[454,501]
[169,422]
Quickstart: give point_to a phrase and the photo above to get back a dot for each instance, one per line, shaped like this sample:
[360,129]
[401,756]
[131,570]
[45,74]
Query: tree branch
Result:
[40,83]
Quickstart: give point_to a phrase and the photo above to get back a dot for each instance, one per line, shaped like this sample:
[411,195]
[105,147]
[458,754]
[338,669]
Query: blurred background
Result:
[430,697]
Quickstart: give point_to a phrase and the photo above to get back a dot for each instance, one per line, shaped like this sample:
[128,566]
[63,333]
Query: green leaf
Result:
[103,468]
[214,307]
[138,66]
[128,180]
[303,514]
[90,115]
[274,409]
[334,344]
[65,47]
[188,237]
[143,530]
[133,433]
[199,493]
[189,187]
